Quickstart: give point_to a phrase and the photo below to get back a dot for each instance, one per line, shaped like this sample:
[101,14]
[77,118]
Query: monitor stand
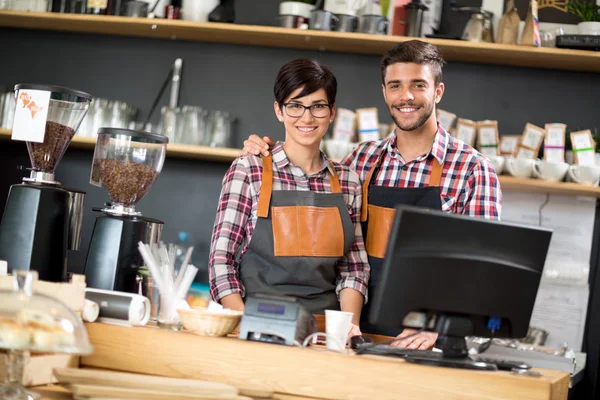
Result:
[455,354]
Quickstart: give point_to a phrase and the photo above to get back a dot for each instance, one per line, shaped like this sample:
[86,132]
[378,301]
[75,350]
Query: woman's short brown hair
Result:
[305,73]
[414,51]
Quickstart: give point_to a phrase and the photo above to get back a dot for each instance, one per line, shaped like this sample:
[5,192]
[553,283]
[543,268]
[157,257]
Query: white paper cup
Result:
[337,326]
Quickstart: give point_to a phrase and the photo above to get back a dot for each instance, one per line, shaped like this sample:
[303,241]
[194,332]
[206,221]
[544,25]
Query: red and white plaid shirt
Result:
[469,184]
[237,216]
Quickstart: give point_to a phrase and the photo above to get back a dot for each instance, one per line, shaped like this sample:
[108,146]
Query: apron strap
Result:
[434,181]
[266,187]
[365,190]
[333,177]
[436,173]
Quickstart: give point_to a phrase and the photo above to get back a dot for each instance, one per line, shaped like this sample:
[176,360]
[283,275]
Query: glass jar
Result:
[66,110]
[126,163]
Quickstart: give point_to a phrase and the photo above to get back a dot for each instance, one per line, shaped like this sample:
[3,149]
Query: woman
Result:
[289,223]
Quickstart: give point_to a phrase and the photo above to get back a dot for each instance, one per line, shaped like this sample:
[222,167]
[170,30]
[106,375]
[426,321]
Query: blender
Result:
[42,219]
[126,163]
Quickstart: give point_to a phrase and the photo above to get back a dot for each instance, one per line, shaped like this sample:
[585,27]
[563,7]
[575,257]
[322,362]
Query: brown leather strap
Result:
[435,177]
[335,181]
[366,183]
[266,187]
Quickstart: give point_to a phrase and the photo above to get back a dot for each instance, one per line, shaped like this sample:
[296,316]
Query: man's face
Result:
[410,93]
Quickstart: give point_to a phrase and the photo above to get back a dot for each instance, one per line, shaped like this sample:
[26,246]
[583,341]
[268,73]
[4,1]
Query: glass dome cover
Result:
[127,163]
[37,323]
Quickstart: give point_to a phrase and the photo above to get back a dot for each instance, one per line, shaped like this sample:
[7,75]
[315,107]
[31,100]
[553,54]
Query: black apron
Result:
[378,211]
[297,242]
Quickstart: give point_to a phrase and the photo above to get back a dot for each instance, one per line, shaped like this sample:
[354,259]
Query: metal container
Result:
[346,23]
[321,20]
[414,18]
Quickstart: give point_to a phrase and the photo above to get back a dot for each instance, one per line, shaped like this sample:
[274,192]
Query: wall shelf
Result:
[508,183]
[359,43]
[173,150]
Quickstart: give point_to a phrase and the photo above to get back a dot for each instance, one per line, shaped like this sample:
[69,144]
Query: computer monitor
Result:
[465,276]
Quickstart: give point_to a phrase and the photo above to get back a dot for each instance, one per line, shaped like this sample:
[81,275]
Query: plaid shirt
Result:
[469,184]
[237,216]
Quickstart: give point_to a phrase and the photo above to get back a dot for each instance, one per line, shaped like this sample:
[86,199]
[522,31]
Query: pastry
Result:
[13,335]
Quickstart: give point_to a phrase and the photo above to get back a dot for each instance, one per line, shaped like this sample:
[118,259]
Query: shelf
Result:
[508,183]
[173,150]
[359,43]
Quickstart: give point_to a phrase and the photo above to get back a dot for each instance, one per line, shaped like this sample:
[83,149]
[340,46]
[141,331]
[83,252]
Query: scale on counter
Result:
[275,319]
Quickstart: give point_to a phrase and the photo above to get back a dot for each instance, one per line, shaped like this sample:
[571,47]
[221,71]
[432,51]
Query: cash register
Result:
[276,319]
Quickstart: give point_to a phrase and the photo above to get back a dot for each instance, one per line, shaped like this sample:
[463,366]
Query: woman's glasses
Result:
[296,110]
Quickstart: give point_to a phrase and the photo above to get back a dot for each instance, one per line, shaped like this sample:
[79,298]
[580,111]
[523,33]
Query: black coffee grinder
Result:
[126,163]
[42,219]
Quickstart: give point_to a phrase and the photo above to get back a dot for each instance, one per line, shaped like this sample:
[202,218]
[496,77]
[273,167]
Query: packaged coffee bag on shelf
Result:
[509,144]
[554,143]
[368,124]
[446,119]
[508,26]
[487,138]
[344,127]
[531,32]
[531,141]
[466,130]
[584,147]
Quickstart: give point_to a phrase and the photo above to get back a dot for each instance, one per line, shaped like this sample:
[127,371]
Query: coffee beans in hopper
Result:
[126,181]
[45,156]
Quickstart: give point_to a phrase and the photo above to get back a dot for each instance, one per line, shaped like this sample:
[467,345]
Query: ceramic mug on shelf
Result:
[585,174]
[550,171]
[520,167]
[498,163]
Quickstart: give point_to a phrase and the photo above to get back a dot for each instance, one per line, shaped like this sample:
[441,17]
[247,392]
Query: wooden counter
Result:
[313,372]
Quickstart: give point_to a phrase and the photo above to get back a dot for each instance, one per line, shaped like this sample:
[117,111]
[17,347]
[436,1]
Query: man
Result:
[418,164]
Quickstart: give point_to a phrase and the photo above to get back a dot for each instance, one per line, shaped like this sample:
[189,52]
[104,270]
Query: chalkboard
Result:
[554,11]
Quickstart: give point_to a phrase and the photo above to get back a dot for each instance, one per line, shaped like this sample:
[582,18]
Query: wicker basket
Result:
[202,322]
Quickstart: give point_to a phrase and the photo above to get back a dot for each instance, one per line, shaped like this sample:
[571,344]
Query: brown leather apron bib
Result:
[378,209]
[297,242]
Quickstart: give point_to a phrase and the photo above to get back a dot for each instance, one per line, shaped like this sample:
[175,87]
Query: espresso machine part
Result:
[113,259]
[42,219]
[480,27]
[414,18]
[126,163]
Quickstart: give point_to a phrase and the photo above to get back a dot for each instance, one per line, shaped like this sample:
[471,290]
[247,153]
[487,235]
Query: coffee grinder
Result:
[42,219]
[126,163]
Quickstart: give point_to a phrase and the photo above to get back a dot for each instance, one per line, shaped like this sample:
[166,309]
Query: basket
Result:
[205,323]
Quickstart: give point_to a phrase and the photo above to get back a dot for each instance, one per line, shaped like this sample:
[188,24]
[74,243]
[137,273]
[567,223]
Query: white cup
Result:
[520,167]
[337,327]
[498,163]
[585,174]
[550,171]
[295,8]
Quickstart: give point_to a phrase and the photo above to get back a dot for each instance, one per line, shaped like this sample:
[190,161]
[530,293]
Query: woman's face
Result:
[304,126]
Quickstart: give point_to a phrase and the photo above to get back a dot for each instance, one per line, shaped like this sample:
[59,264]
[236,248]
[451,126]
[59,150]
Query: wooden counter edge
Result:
[300,372]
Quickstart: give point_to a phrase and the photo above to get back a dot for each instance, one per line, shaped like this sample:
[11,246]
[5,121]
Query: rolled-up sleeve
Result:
[353,268]
[233,213]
